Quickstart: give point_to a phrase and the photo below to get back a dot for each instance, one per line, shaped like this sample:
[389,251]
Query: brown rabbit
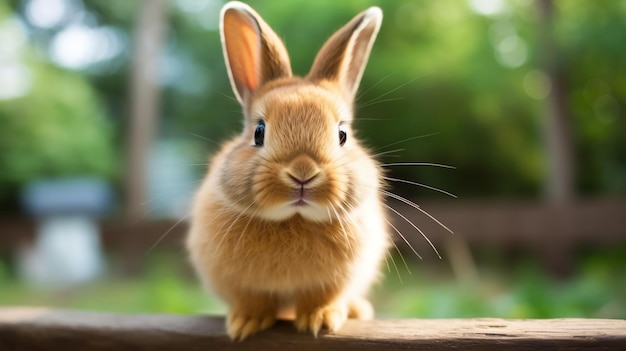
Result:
[290,213]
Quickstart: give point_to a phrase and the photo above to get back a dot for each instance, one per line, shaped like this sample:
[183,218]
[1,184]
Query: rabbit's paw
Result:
[360,309]
[330,317]
[240,324]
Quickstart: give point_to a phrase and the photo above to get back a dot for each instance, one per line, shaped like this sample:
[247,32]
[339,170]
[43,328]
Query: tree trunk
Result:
[560,177]
[144,102]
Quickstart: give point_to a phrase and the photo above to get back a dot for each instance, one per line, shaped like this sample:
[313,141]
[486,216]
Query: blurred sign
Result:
[67,248]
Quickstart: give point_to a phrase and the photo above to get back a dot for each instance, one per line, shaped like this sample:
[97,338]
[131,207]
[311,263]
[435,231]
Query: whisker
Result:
[343,229]
[397,231]
[387,261]
[393,90]
[380,101]
[417,207]
[227,96]
[405,140]
[144,215]
[225,234]
[148,212]
[372,119]
[417,164]
[398,250]
[396,267]
[375,84]
[420,184]
[402,258]
[348,215]
[165,234]
[205,138]
[162,187]
[414,226]
[241,235]
[387,152]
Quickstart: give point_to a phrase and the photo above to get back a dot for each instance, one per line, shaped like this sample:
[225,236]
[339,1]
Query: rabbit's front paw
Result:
[360,308]
[330,317]
[241,324]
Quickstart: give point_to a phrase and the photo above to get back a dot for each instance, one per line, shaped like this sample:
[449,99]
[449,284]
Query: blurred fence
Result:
[552,232]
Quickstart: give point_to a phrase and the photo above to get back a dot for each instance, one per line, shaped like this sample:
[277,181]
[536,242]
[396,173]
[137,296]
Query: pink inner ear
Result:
[243,48]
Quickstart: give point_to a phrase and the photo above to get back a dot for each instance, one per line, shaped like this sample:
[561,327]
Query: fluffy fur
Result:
[296,223]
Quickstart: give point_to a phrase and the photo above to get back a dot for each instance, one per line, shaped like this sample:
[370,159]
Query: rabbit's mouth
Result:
[300,203]
[301,197]
[303,207]
[303,189]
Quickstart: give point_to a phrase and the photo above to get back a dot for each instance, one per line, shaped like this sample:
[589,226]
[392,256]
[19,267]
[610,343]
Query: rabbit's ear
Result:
[253,53]
[343,58]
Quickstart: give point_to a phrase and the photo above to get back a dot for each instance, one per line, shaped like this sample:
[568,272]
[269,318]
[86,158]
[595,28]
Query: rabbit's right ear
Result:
[343,58]
[253,53]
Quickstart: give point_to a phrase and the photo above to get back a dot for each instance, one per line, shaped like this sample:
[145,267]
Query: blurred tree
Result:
[591,38]
[469,71]
[561,168]
[144,102]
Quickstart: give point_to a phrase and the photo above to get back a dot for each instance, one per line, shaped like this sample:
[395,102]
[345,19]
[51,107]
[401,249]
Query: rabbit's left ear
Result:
[253,52]
[343,58]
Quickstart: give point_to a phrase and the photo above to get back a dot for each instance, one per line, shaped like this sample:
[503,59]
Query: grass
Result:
[523,291]
[520,290]
[162,289]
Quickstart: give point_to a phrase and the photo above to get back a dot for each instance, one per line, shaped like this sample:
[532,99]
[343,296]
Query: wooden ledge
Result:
[45,329]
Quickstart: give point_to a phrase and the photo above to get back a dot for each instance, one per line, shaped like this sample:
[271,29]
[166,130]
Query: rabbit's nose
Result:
[302,181]
[303,170]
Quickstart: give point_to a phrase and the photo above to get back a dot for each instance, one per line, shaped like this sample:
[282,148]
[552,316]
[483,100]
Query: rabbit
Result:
[290,215]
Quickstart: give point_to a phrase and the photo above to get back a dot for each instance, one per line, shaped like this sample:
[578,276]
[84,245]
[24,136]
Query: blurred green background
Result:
[477,81]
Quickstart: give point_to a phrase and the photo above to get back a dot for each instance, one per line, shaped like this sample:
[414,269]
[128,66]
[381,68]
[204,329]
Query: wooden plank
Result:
[43,329]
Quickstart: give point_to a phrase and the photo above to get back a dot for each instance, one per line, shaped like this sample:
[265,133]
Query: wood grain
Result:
[43,329]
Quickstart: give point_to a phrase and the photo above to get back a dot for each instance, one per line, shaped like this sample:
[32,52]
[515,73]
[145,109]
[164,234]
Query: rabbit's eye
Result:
[343,136]
[259,134]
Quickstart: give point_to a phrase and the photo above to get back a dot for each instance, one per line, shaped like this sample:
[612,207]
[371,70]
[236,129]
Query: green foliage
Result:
[163,289]
[590,37]
[519,291]
[57,129]
[54,132]
[475,80]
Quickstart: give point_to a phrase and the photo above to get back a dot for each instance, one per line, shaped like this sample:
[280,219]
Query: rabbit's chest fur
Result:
[289,255]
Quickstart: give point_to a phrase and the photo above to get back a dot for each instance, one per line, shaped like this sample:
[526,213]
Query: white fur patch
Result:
[311,212]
